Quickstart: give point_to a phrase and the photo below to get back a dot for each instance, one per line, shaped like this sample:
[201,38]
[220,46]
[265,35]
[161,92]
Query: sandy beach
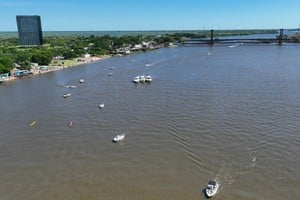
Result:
[36,70]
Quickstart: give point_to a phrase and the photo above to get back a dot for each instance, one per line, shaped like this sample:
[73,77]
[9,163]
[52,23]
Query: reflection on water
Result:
[230,115]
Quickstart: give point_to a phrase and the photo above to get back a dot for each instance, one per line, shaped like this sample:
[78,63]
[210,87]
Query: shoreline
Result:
[51,68]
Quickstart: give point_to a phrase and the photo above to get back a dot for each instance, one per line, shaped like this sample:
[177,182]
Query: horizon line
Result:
[158,30]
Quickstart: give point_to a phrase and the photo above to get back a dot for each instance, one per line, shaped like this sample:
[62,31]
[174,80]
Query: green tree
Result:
[22,58]
[6,64]
[43,57]
[69,54]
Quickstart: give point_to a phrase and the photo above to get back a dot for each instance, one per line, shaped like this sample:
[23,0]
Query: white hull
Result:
[136,79]
[71,86]
[148,78]
[67,95]
[119,138]
[149,64]
[142,79]
[212,191]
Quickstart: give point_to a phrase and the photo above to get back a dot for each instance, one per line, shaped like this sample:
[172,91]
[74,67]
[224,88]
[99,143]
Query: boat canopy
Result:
[212,183]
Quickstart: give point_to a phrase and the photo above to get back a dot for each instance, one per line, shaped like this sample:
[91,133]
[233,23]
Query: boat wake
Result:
[188,150]
[224,176]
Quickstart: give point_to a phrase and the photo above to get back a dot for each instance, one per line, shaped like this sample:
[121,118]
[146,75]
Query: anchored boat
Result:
[119,138]
[136,79]
[148,78]
[67,95]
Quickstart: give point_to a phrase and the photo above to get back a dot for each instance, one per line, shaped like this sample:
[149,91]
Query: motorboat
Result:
[81,80]
[148,78]
[119,138]
[70,124]
[71,86]
[142,79]
[109,74]
[212,188]
[32,123]
[136,79]
[101,105]
[67,95]
[149,64]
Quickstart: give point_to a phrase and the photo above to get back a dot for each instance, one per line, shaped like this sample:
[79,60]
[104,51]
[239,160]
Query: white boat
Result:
[101,105]
[136,79]
[67,95]
[32,123]
[212,188]
[118,138]
[148,78]
[81,80]
[71,86]
[149,64]
[142,79]
[70,124]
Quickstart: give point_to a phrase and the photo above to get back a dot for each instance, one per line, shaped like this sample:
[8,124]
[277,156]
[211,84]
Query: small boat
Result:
[32,123]
[71,86]
[136,79]
[149,64]
[70,124]
[142,79]
[81,80]
[118,138]
[67,95]
[109,74]
[148,78]
[212,188]
[101,105]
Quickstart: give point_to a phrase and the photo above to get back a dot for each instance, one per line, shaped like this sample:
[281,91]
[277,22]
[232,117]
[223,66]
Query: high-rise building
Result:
[29,30]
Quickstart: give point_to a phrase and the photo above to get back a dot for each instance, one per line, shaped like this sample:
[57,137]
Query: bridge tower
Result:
[211,41]
[280,37]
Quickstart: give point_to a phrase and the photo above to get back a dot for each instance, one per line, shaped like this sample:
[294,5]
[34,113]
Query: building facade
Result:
[29,30]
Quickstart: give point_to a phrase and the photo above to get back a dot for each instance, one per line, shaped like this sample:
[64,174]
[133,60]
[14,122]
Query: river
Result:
[221,113]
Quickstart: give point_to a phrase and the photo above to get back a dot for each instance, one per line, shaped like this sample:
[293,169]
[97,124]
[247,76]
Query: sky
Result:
[143,15]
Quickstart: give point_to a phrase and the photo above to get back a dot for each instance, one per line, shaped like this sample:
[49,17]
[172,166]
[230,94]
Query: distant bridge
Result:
[279,39]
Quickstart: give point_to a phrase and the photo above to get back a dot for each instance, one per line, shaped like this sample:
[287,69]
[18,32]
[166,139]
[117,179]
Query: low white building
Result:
[87,55]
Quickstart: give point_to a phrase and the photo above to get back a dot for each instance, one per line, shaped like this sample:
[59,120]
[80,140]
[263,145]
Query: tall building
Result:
[29,30]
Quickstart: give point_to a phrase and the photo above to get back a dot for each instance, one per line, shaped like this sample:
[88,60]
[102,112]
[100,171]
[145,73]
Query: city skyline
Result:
[118,15]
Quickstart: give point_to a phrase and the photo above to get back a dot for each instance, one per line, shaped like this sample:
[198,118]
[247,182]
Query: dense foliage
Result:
[67,47]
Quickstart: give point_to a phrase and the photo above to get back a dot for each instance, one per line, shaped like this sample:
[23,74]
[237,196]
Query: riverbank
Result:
[63,64]
[58,65]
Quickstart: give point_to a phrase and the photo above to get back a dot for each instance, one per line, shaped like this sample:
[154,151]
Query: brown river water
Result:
[230,114]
